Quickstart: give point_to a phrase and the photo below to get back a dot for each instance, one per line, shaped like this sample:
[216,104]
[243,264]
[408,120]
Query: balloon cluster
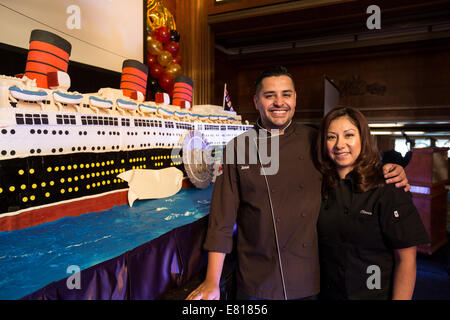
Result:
[163,61]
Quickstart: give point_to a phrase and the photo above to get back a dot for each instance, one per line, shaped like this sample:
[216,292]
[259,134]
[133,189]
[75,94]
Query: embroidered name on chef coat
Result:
[366,212]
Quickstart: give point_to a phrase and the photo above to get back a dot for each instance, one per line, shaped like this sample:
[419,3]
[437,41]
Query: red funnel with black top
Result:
[134,78]
[47,52]
[182,90]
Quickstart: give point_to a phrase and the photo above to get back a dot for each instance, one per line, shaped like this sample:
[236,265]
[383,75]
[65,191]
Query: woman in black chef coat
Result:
[368,231]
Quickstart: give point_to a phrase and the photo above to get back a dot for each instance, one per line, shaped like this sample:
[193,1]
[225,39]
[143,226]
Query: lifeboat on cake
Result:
[165,112]
[126,105]
[147,108]
[67,98]
[27,95]
[100,103]
[191,116]
[180,114]
[199,116]
[152,184]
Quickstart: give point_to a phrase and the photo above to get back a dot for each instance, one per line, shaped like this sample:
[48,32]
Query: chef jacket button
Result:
[301,157]
[273,190]
[305,245]
[277,219]
[303,214]
[301,185]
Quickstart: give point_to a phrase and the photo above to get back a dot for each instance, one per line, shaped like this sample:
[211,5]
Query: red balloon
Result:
[162,34]
[177,60]
[151,60]
[156,71]
[166,82]
[163,28]
[173,47]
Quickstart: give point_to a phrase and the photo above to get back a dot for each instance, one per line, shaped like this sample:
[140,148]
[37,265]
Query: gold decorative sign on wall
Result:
[356,86]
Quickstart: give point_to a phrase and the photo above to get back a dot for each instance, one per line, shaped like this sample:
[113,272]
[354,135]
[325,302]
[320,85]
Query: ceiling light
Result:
[380,125]
[380,133]
[411,133]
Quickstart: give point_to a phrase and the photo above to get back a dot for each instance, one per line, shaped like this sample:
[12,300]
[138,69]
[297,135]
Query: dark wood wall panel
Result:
[394,82]
[171,5]
[233,5]
[196,47]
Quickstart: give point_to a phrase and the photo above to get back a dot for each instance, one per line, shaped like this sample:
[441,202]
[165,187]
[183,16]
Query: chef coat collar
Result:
[349,179]
[287,130]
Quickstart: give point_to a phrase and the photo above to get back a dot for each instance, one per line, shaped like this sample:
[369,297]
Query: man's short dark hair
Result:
[274,71]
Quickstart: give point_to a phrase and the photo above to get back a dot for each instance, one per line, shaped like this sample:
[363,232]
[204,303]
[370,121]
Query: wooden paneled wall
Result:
[172,6]
[233,5]
[396,83]
[387,82]
[196,47]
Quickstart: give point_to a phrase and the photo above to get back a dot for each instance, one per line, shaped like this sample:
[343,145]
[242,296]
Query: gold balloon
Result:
[173,70]
[150,37]
[159,16]
[164,58]
[154,47]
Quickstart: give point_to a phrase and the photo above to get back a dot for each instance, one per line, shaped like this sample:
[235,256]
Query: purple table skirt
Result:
[143,273]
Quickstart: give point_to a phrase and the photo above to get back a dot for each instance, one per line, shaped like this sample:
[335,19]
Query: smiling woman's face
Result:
[343,144]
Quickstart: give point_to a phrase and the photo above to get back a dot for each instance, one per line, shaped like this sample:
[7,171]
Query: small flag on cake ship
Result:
[227,100]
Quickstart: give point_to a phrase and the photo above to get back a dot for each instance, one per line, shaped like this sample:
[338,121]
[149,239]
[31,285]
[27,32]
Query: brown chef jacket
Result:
[241,195]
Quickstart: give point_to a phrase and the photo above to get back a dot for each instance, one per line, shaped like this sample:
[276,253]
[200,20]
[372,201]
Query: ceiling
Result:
[290,29]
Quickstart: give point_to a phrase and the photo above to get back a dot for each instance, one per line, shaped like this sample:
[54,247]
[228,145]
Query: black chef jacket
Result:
[241,196]
[359,230]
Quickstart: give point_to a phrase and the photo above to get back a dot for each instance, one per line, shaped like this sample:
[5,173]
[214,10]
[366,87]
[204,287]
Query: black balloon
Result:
[152,83]
[153,87]
[174,36]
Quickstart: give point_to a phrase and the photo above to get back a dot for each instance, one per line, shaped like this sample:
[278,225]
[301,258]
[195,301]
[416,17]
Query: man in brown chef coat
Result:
[274,201]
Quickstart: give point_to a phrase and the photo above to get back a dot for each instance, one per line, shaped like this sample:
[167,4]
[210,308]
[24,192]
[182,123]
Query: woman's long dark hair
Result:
[366,169]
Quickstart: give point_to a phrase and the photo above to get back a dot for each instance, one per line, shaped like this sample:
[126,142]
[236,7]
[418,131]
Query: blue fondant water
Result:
[34,257]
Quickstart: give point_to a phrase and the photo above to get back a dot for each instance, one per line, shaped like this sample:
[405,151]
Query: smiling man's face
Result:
[276,102]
